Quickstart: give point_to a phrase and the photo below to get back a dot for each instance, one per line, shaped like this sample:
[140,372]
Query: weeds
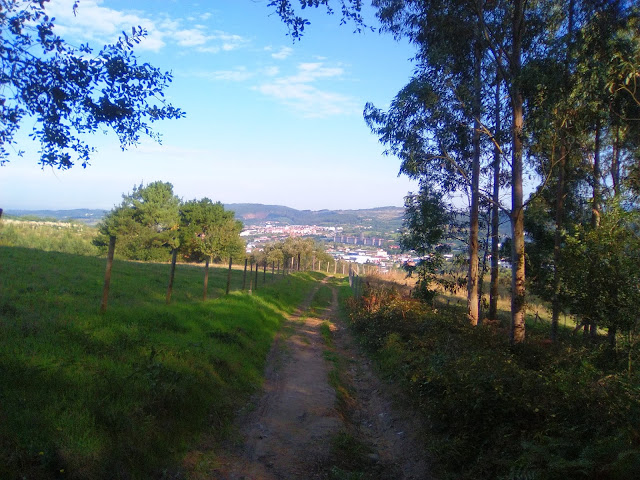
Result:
[494,411]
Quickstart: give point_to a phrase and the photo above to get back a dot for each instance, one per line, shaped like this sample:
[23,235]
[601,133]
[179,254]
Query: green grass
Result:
[49,236]
[321,301]
[127,393]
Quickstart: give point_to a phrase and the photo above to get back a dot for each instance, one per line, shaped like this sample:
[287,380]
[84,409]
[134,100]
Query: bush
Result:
[534,411]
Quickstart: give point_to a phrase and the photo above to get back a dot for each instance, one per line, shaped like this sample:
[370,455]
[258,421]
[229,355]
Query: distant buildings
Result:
[359,240]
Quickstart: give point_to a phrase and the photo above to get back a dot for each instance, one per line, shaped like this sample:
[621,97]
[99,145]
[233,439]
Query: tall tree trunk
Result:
[517,332]
[615,162]
[557,244]
[560,196]
[596,205]
[483,269]
[615,178]
[472,280]
[597,202]
[495,211]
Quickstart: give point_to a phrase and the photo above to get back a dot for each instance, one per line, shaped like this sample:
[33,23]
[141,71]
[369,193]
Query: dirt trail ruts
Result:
[289,431]
[288,435]
[392,434]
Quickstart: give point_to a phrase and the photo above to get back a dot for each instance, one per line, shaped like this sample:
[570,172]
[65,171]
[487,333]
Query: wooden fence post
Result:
[229,275]
[244,278]
[206,279]
[172,272]
[256,286]
[264,272]
[107,274]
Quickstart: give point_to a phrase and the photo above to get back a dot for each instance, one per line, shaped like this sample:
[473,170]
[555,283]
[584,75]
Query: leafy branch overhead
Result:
[69,91]
[351,11]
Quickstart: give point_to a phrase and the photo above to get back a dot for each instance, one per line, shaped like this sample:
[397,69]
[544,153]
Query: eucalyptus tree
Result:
[512,32]
[66,91]
[576,126]
[450,45]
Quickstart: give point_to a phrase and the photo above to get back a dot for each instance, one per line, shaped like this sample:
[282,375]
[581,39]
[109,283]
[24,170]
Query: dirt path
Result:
[290,432]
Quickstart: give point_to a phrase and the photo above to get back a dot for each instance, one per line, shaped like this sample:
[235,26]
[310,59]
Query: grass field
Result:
[127,393]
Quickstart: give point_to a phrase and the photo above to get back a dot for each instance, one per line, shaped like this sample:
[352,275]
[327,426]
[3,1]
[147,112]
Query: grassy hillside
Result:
[83,215]
[123,395]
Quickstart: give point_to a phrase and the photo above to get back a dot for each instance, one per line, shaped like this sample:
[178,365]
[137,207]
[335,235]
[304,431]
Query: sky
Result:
[268,120]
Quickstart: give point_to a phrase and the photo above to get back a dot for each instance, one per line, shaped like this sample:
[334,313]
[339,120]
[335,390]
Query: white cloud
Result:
[238,74]
[96,23]
[190,37]
[283,53]
[229,41]
[271,71]
[299,91]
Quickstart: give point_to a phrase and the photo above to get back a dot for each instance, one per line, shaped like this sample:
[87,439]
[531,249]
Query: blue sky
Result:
[267,120]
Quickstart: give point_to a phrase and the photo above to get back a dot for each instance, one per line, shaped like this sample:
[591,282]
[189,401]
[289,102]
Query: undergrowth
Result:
[536,411]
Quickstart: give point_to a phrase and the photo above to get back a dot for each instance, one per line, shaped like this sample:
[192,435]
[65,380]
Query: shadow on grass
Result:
[125,394]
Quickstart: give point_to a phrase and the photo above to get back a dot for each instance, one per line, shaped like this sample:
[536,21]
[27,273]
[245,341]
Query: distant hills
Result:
[84,215]
[382,218]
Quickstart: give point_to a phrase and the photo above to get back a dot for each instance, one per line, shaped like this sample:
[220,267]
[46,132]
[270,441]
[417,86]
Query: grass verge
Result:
[127,393]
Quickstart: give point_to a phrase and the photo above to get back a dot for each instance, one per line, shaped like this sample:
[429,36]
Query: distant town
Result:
[361,249]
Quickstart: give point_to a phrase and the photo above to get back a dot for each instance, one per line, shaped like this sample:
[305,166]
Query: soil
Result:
[291,431]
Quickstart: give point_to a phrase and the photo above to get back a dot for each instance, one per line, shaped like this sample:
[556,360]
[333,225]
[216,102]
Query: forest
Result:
[509,96]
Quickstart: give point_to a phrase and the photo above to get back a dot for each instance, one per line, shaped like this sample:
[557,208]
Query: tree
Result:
[451,63]
[68,91]
[297,249]
[145,223]
[574,131]
[274,254]
[605,274]
[209,232]
[425,222]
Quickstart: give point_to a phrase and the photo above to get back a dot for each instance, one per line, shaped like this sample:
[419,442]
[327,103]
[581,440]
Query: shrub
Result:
[535,411]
